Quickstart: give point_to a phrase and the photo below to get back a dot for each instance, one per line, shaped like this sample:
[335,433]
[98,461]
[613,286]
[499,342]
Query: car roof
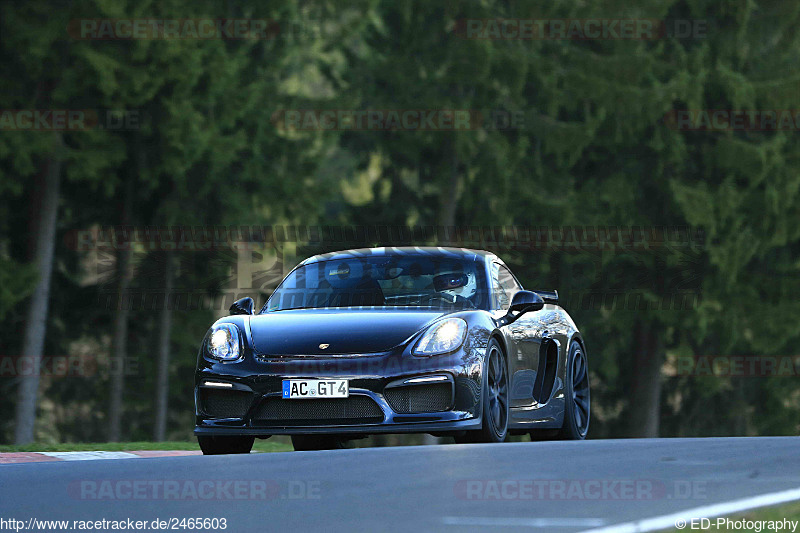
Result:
[439,251]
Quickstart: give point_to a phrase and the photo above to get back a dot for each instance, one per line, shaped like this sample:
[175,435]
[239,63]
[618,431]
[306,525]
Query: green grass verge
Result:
[274,444]
[789,511]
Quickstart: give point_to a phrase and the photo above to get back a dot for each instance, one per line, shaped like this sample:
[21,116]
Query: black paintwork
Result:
[372,348]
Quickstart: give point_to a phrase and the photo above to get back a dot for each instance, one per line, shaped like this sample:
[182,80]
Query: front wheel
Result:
[224,444]
[494,399]
[576,395]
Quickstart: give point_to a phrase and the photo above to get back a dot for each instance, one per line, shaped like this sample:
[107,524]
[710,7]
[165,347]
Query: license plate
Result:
[294,389]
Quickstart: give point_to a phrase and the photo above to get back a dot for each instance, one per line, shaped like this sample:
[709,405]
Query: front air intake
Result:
[217,403]
[430,398]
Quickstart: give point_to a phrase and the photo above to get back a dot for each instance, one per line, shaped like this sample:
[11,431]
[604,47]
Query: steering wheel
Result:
[436,296]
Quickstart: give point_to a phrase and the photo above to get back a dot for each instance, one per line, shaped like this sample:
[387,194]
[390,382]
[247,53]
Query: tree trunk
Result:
[120,343]
[449,197]
[36,318]
[120,346]
[162,371]
[645,395]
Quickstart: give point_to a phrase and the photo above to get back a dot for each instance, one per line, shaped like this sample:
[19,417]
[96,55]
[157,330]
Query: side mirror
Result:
[522,302]
[244,306]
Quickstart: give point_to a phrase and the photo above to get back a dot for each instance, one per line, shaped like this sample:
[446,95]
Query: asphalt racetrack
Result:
[544,486]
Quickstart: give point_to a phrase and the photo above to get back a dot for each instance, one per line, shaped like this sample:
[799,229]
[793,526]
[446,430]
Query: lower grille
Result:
[420,398]
[358,409]
[224,403]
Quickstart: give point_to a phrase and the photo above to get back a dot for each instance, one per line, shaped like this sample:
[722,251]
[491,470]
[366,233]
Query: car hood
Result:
[345,331]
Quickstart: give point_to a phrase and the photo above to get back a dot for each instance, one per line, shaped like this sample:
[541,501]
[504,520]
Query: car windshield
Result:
[383,281]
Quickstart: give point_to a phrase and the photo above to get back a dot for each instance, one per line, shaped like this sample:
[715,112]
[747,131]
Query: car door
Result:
[523,356]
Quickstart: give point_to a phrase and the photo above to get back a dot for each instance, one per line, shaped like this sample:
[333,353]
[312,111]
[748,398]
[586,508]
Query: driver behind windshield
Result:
[408,281]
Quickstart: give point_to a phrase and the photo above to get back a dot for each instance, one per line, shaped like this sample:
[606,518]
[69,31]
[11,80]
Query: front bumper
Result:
[255,407]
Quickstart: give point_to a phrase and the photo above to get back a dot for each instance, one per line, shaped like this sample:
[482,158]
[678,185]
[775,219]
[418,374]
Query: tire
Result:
[304,443]
[577,403]
[219,445]
[494,399]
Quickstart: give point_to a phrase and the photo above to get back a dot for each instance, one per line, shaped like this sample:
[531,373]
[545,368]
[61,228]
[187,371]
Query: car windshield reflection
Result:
[383,282]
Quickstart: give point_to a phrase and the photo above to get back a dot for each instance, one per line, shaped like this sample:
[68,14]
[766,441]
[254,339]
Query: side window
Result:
[504,286]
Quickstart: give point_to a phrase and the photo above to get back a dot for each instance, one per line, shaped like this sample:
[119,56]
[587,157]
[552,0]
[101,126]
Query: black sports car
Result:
[392,340]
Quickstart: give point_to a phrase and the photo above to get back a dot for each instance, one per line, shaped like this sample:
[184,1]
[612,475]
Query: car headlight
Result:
[442,337]
[223,342]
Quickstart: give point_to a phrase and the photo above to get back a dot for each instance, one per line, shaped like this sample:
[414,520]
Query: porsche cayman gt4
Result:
[392,340]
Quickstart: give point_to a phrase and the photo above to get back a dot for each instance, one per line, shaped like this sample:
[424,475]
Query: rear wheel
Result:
[224,444]
[577,406]
[494,399]
[303,443]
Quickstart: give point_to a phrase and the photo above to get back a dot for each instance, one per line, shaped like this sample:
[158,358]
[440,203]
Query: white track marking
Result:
[487,521]
[708,511]
[88,456]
